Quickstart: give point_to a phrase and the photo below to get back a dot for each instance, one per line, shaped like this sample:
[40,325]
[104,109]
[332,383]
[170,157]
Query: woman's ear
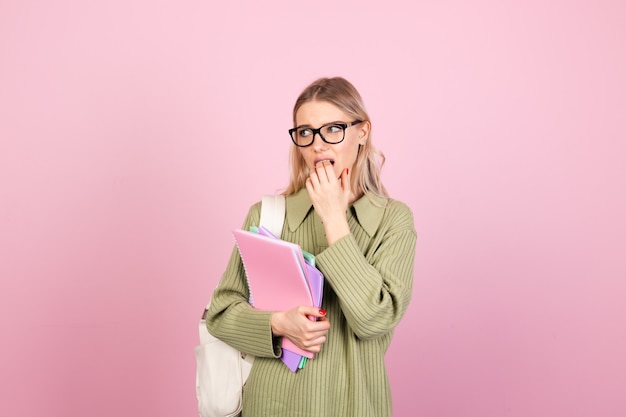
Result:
[364,132]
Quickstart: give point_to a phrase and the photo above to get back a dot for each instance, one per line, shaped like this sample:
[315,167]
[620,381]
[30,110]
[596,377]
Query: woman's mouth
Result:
[317,161]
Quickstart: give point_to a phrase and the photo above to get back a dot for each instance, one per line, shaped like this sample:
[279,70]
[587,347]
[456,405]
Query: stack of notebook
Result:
[280,277]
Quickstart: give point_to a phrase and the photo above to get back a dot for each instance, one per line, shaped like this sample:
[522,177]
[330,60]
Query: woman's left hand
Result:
[330,196]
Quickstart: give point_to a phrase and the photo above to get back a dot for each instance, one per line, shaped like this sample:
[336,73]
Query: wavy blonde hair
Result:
[365,176]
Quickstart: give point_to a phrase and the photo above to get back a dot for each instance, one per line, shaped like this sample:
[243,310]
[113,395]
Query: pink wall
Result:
[129,141]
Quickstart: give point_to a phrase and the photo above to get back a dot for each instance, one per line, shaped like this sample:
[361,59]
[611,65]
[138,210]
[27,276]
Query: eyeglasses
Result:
[332,133]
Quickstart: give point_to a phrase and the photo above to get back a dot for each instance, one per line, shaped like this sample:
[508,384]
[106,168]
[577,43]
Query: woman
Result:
[364,242]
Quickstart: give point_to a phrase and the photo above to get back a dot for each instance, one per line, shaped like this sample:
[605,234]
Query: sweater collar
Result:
[368,210]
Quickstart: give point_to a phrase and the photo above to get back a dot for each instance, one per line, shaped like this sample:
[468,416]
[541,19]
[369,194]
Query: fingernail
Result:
[346,171]
[322,312]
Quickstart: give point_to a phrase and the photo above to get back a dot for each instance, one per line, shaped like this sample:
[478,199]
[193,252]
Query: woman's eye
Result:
[304,132]
[333,128]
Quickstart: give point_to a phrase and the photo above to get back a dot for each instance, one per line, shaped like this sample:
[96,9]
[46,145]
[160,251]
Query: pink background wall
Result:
[135,134]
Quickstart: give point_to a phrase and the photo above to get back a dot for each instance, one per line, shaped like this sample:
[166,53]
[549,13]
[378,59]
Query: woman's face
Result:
[342,155]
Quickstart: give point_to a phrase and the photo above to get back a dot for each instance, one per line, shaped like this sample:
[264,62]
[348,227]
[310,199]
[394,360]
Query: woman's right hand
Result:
[296,325]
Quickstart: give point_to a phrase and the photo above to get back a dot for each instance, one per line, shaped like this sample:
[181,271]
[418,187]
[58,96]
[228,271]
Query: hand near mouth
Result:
[330,196]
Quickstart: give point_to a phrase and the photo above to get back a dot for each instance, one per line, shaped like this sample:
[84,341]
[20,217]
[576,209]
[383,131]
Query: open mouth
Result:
[332,162]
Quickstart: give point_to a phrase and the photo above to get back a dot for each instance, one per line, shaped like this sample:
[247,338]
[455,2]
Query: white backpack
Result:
[221,370]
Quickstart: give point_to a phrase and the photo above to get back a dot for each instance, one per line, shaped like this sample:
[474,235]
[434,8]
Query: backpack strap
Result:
[273,213]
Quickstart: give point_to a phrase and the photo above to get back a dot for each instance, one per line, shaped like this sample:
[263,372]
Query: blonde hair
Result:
[369,161]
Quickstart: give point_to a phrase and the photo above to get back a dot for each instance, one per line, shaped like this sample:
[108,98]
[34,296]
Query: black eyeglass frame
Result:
[318,131]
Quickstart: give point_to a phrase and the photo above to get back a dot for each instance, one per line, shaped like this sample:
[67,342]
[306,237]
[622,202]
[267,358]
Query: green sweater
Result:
[369,277]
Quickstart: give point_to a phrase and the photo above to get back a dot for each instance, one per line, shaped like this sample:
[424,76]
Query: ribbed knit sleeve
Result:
[373,282]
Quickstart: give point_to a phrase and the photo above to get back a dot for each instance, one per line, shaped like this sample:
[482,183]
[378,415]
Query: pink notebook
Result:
[276,275]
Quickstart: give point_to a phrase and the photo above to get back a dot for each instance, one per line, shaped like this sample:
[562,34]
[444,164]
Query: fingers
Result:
[323,180]
[312,334]
[324,172]
[345,180]
[315,345]
[312,339]
[311,311]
